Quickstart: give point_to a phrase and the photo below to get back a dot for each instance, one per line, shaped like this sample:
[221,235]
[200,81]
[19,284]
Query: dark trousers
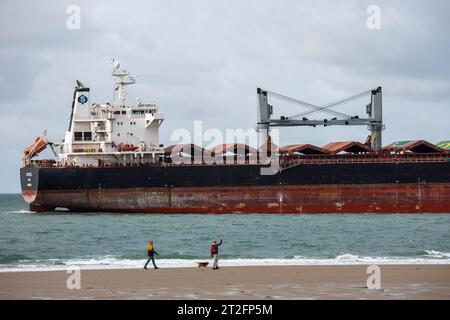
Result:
[152,258]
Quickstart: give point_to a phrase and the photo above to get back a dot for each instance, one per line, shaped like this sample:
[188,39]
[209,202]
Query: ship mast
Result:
[122,79]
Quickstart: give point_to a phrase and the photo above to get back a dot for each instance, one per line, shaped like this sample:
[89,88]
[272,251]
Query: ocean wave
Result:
[116,263]
[11,258]
[437,254]
[347,256]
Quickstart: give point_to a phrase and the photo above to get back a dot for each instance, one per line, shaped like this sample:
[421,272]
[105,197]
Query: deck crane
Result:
[374,121]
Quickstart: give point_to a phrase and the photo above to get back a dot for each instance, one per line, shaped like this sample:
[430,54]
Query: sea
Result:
[63,240]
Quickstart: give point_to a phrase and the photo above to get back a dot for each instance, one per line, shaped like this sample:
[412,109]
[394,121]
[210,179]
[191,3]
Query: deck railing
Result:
[288,161]
[285,161]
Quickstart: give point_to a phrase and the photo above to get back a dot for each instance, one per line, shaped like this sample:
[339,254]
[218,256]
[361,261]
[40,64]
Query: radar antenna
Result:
[122,79]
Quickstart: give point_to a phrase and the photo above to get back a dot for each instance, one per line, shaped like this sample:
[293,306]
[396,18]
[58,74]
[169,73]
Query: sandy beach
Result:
[263,282]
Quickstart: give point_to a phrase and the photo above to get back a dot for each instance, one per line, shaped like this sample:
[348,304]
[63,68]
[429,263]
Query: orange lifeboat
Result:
[126,147]
[33,150]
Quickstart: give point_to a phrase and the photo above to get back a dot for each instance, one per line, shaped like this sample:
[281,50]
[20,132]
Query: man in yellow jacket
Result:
[151,254]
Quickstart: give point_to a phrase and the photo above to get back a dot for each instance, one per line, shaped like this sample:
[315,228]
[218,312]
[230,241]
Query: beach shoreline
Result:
[237,283]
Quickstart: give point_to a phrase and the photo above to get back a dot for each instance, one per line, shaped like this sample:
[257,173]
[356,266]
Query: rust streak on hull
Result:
[278,199]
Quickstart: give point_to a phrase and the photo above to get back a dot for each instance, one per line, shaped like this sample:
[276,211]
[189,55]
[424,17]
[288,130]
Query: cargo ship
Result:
[111,160]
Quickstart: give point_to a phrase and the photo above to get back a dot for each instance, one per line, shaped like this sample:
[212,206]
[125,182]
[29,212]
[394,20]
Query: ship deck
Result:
[285,161]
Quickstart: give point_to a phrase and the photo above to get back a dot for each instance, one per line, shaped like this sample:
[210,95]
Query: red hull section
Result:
[301,199]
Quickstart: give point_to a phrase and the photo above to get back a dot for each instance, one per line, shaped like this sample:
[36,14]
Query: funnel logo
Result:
[82,99]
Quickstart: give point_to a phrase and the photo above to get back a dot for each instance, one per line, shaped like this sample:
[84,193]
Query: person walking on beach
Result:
[151,254]
[215,253]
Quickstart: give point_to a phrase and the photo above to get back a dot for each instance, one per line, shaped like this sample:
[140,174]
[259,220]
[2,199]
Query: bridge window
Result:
[78,136]
[87,136]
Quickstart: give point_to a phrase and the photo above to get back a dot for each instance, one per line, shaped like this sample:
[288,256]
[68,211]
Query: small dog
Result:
[202,264]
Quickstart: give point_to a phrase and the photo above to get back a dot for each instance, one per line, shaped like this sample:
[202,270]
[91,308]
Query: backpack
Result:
[213,249]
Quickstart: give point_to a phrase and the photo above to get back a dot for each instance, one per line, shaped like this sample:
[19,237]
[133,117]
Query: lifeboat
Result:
[37,147]
[125,147]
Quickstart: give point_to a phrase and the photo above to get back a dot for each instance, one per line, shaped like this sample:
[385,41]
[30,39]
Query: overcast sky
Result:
[203,60]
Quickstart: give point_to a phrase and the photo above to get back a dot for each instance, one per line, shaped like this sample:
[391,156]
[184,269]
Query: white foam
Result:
[114,263]
[347,256]
[437,254]
[19,211]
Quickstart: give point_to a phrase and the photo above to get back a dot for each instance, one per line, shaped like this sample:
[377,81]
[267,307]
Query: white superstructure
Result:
[101,134]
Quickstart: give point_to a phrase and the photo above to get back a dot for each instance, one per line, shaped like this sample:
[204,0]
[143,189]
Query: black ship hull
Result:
[422,187]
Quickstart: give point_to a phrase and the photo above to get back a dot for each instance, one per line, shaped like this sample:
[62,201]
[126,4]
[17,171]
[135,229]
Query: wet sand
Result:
[263,282]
